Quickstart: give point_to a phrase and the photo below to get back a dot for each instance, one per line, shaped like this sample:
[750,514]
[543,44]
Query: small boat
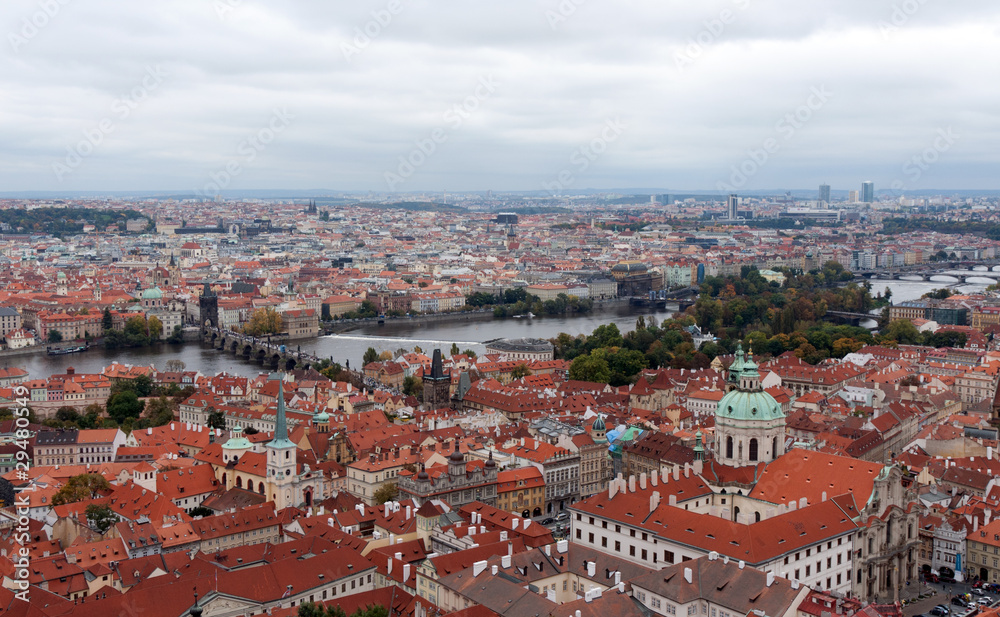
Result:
[381,318]
[59,351]
[529,315]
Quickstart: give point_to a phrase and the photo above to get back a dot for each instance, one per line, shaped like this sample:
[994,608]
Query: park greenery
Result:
[518,301]
[766,316]
[263,321]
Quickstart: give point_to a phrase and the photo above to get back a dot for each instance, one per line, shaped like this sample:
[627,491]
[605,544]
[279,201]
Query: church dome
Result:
[237,441]
[153,293]
[490,463]
[456,456]
[321,417]
[743,405]
[599,423]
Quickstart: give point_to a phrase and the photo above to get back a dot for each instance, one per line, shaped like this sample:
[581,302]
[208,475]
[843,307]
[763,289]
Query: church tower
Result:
[598,431]
[62,286]
[281,464]
[437,385]
[749,423]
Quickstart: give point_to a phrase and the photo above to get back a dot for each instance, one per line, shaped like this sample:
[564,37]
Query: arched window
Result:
[729,447]
[774,448]
[223,479]
[753,449]
[756,517]
[260,488]
[239,482]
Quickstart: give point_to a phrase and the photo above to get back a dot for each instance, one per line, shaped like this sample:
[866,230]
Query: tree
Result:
[106,320]
[590,367]
[177,336]
[67,414]
[370,356]
[100,517]
[155,328]
[216,419]
[385,356]
[387,492]
[412,386]
[55,336]
[81,487]
[454,349]
[263,321]
[159,411]
[123,405]
[472,355]
[519,371]
[175,366]
[201,511]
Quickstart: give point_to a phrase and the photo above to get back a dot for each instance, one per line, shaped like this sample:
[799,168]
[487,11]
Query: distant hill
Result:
[65,221]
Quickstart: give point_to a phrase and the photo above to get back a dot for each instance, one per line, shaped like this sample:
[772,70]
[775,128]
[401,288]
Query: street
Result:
[943,595]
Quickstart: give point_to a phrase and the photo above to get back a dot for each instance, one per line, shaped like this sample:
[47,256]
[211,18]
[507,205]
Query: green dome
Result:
[237,441]
[61,276]
[321,417]
[599,423]
[741,405]
[152,293]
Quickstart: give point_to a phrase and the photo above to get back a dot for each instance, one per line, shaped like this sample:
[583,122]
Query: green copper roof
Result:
[280,427]
[237,441]
[741,405]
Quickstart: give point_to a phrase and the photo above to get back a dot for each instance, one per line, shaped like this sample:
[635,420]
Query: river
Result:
[350,346]
[403,333]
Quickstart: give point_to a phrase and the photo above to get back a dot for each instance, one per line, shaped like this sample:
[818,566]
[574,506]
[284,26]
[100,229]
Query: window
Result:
[631,551]
[604,541]
[692,610]
[668,556]
[618,546]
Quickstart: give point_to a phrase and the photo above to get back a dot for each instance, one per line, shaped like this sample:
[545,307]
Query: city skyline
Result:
[450,97]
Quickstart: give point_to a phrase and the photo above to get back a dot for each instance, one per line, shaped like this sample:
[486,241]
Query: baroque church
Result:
[275,473]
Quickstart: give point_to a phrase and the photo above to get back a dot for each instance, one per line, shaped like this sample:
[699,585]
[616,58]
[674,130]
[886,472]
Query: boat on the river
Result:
[59,351]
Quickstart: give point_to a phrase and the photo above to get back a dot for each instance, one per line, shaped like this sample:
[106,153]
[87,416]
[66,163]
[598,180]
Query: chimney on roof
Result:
[591,569]
[514,523]
[494,570]
[612,489]
[824,495]
[795,583]
[478,567]
[505,561]
[770,578]
[803,502]
[688,575]
[713,555]
[677,472]
[389,566]
[510,548]
[406,572]
[672,500]
[562,546]
[642,480]
[687,470]
[631,484]
[654,500]
[654,477]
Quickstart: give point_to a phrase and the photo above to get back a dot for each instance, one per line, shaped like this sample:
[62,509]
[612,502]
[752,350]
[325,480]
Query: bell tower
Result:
[281,463]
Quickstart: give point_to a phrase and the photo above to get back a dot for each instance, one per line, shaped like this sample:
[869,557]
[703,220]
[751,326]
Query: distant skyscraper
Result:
[852,197]
[733,207]
[824,193]
[868,192]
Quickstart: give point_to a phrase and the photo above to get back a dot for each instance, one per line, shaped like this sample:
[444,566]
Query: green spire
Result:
[280,427]
[699,448]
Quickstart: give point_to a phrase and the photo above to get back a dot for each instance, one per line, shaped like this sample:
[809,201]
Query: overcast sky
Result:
[455,95]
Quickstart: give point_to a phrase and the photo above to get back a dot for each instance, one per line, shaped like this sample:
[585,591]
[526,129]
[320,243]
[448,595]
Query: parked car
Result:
[978,591]
[548,521]
[985,600]
[959,602]
[939,611]
[562,516]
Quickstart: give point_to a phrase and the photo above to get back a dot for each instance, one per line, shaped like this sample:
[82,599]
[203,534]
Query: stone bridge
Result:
[266,351]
